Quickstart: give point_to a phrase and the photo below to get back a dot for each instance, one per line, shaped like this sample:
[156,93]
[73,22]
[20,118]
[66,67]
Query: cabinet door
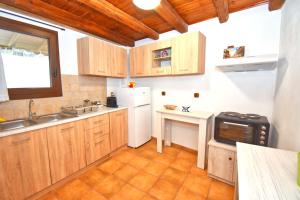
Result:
[99,56]
[118,62]
[66,149]
[97,141]
[221,163]
[118,129]
[188,54]
[24,165]
[140,61]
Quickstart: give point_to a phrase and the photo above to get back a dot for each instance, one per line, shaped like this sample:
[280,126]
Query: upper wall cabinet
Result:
[188,55]
[99,58]
[178,56]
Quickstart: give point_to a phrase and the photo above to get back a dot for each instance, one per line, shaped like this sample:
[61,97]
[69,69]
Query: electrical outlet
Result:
[196,95]
[163,93]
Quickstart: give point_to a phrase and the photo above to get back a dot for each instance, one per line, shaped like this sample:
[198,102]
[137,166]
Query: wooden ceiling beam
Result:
[47,11]
[222,10]
[120,16]
[275,4]
[170,15]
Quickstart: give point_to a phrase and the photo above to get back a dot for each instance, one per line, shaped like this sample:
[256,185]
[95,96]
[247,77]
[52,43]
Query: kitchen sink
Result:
[16,124]
[22,123]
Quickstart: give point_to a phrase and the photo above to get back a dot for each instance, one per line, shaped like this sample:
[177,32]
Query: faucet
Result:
[31,114]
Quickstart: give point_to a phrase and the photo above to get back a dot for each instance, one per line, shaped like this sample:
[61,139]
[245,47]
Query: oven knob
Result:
[262,138]
[262,133]
[263,128]
[261,142]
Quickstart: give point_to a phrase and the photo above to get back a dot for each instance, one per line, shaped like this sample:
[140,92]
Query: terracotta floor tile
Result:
[128,193]
[124,156]
[174,176]
[155,168]
[197,184]
[182,164]
[93,195]
[93,177]
[186,194]
[148,154]
[49,196]
[148,197]
[138,162]
[164,159]
[143,181]
[163,190]
[171,151]
[110,166]
[73,190]
[126,172]
[192,157]
[219,190]
[198,172]
[109,186]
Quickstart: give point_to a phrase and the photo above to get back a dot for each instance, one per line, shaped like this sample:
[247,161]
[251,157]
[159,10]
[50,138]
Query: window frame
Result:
[54,65]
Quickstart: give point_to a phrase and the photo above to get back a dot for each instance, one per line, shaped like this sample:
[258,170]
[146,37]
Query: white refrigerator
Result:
[138,101]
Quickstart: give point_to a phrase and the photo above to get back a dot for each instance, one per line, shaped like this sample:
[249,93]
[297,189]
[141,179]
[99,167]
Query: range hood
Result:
[250,63]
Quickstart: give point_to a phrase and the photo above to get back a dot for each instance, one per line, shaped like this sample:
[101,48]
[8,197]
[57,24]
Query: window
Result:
[31,60]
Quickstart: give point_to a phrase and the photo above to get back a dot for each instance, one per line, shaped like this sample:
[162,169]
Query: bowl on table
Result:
[170,107]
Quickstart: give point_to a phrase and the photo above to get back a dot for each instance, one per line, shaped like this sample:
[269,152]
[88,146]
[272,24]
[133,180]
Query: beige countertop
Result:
[194,114]
[101,111]
[266,173]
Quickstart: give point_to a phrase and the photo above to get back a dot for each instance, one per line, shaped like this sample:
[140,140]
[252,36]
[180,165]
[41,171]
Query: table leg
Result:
[168,132]
[202,144]
[159,133]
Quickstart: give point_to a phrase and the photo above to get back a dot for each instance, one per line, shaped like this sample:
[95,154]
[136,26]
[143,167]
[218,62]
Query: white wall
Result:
[246,92]
[287,99]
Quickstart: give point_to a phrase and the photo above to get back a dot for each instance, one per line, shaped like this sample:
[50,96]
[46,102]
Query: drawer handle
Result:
[98,122]
[184,70]
[99,142]
[102,71]
[229,158]
[21,141]
[66,129]
[98,133]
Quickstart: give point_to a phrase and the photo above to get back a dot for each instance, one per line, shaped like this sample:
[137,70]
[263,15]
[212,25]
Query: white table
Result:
[202,119]
[266,173]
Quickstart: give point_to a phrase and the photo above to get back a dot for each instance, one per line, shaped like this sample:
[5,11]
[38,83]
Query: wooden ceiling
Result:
[122,22]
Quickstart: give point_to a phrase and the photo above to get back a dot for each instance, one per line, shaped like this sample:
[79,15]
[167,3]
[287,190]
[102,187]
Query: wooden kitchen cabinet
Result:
[97,141]
[222,162]
[66,149]
[188,54]
[118,129]
[140,61]
[24,165]
[99,58]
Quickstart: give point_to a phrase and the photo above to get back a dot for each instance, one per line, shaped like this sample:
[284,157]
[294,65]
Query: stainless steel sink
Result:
[52,118]
[22,123]
[16,124]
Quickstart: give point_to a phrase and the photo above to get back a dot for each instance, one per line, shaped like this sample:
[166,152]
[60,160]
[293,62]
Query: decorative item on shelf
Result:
[164,53]
[170,107]
[298,179]
[185,108]
[131,84]
[234,52]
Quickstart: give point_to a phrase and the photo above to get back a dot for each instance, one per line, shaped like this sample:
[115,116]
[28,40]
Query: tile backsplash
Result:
[75,90]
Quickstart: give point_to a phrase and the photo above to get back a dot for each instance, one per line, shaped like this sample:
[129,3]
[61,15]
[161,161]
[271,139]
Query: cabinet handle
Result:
[98,133]
[102,71]
[184,70]
[229,158]
[98,122]
[119,114]
[66,129]
[20,141]
[99,142]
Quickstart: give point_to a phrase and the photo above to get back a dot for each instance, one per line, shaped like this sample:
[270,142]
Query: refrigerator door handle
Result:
[142,105]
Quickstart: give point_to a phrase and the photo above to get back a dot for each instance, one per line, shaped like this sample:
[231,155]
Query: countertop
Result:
[101,111]
[266,173]
[194,114]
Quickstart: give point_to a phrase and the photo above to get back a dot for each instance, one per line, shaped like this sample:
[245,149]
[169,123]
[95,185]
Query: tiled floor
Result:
[144,174]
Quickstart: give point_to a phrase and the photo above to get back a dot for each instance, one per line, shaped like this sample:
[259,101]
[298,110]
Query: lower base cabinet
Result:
[66,149]
[222,162]
[24,165]
[118,129]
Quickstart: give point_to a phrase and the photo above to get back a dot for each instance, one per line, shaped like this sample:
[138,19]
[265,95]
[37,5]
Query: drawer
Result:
[98,121]
[99,130]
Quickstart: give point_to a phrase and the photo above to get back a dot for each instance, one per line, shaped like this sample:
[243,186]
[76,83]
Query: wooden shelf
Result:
[253,63]
[163,58]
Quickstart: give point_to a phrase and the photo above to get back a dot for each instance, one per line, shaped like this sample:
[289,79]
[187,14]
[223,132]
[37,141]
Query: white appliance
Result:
[138,101]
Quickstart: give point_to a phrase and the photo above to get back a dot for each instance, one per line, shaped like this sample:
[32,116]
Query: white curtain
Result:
[3,87]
